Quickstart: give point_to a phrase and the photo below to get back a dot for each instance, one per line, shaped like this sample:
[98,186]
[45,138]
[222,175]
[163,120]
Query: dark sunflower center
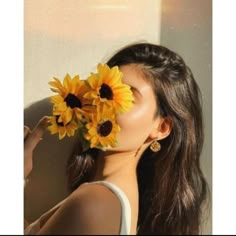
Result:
[72,101]
[59,123]
[104,128]
[106,92]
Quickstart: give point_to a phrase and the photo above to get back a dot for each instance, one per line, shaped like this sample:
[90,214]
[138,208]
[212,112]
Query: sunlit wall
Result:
[72,36]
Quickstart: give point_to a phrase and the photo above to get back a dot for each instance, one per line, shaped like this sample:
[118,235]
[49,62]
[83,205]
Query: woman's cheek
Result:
[138,115]
[135,127]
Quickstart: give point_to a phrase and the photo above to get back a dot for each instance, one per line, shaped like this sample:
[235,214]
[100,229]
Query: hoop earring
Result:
[155,146]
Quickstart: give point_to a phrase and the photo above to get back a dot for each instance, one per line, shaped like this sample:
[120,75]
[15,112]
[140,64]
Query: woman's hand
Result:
[31,139]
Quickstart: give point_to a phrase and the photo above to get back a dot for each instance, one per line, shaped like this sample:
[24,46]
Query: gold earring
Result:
[155,146]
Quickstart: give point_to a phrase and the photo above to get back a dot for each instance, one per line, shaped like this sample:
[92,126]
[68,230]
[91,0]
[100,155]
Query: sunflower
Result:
[107,89]
[70,98]
[102,129]
[63,130]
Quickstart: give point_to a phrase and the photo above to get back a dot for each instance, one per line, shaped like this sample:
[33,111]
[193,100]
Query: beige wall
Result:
[72,36]
[187,29]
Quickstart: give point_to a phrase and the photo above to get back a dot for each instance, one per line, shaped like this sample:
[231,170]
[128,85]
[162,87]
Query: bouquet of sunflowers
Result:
[90,107]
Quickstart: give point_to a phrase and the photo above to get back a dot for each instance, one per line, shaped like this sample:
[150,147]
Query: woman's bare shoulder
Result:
[91,209]
[97,196]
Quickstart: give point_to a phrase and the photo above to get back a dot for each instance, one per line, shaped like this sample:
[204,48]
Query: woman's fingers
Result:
[26,131]
[35,136]
[31,139]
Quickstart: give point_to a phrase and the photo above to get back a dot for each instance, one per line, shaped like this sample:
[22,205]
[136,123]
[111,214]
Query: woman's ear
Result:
[162,128]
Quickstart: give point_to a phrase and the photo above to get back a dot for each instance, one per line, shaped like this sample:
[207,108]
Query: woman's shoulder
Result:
[91,209]
[96,195]
[96,199]
[97,207]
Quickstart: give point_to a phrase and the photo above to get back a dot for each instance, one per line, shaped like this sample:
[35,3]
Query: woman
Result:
[152,182]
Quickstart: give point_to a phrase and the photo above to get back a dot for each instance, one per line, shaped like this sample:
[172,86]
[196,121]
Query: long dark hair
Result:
[172,188]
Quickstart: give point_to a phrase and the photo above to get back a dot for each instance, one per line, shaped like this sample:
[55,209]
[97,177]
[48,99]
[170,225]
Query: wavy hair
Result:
[172,188]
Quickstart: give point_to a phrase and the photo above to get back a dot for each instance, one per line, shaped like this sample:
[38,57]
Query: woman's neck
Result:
[118,166]
[111,165]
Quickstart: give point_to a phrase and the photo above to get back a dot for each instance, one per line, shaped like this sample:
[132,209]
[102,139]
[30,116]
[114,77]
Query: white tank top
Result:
[125,210]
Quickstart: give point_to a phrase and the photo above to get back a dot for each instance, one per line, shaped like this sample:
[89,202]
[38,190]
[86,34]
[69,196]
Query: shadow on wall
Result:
[47,182]
[186,28]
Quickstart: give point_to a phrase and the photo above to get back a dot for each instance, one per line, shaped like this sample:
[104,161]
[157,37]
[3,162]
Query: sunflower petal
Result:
[66,82]
[75,84]
[61,107]
[58,85]
[62,132]
[70,131]
[93,81]
[57,99]
[67,116]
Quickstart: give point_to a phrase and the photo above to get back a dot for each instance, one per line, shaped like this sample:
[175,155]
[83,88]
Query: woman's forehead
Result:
[133,76]
[133,73]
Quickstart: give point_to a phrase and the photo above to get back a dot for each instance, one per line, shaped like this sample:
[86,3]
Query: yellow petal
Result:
[66,82]
[57,84]
[75,84]
[87,136]
[93,131]
[56,90]
[114,77]
[62,132]
[67,116]
[73,125]
[90,95]
[70,132]
[60,119]
[61,107]
[53,129]
[94,141]
[57,99]
[93,81]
